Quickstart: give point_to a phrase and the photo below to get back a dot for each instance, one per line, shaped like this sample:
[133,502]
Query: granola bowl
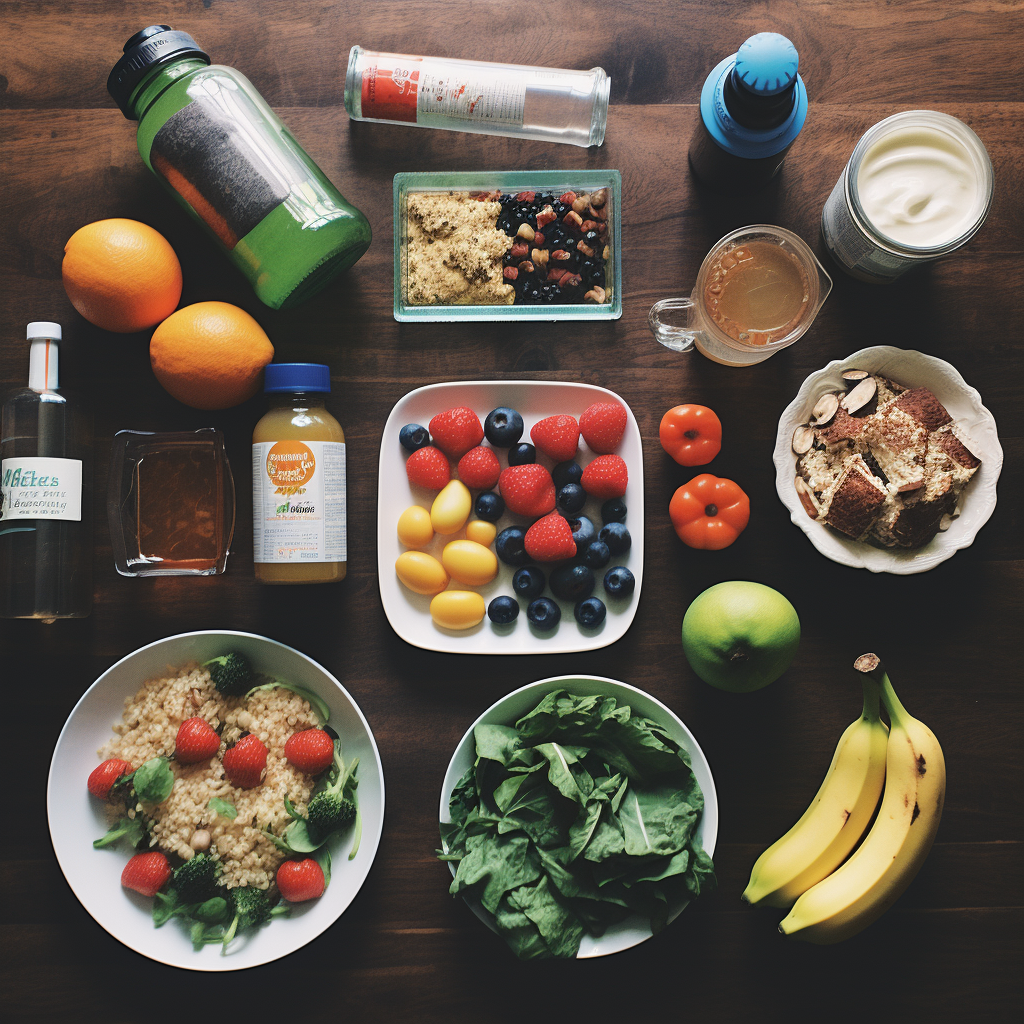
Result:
[975,425]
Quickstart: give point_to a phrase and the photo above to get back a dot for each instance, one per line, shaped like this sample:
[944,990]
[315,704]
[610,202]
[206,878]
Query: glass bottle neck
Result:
[161,78]
[298,399]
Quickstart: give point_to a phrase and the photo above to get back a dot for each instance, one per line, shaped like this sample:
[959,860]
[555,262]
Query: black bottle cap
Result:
[155,44]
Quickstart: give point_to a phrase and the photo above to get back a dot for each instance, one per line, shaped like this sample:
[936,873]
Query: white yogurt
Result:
[920,186]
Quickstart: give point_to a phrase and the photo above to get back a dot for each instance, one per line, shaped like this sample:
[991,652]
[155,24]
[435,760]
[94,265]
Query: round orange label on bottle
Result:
[290,464]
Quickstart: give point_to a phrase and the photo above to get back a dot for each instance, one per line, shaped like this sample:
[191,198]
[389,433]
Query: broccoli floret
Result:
[332,809]
[231,673]
[196,880]
[252,908]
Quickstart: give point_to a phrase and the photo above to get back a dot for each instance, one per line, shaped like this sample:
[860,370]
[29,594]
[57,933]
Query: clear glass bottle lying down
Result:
[547,104]
[46,472]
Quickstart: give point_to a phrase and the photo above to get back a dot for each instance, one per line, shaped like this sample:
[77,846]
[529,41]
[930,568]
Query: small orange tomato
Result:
[691,434]
[709,512]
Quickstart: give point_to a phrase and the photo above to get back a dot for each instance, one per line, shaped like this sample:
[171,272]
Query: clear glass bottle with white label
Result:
[298,480]
[45,510]
[548,104]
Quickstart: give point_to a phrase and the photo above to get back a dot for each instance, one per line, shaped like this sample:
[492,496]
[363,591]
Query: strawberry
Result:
[311,751]
[245,761]
[104,776]
[428,468]
[558,437]
[146,873]
[455,431]
[299,880]
[550,539]
[528,490]
[196,741]
[479,468]
[605,477]
[602,426]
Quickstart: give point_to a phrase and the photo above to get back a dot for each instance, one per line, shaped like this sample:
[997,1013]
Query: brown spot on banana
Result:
[921,769]
[917,811]
[846,818]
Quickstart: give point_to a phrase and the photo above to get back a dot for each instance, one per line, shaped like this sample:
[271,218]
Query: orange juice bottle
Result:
[298,480]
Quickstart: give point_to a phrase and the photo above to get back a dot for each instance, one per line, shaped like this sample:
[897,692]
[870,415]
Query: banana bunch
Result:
[836,897]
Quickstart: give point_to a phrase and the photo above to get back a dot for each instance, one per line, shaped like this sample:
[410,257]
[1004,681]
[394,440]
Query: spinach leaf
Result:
[165,906]
[323,858]
[222,807]
[321,709]
[131,829]
[216,910]
[154,780]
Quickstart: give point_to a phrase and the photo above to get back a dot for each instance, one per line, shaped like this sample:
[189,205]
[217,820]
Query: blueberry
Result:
[503,427]
[413,437]
[544,613]
[566,473]
[572,582]
[490,506]
[571,498]
[613,511]
[597,554]
[617,537]
[511,546]
[582,531]
[589,613]
[522,455]
[528,582]
[619,581]
[503,610]
[591,239]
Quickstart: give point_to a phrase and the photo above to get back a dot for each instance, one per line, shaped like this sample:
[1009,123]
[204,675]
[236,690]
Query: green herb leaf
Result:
[321,709]
[213,911]
[323,858]
[222,807]
[165,905]
[154,780]
[131,829]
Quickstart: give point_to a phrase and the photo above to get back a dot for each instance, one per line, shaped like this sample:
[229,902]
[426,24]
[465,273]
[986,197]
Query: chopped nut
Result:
[519,250]
[585,249]
[589,225]
[525,231]
[568,198]
[546,216]
[573,220]
[596,294]
[581,204]
[526,197]
[539,257]
[852,376]
[599,198]
[510,273]
[803,439]
[824,410]
[807,498]
[561,255]
[557,273]
[572,281]
[910,485]
[860,395]
[538,239]
[596,214]
[607,254]
[526,267]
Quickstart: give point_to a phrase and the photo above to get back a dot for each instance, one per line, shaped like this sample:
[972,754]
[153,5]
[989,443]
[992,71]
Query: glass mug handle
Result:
[679,339]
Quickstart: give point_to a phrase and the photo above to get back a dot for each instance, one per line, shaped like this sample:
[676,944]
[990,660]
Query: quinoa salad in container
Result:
[227,787]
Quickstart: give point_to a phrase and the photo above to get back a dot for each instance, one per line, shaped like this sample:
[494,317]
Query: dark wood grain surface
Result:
[405,950]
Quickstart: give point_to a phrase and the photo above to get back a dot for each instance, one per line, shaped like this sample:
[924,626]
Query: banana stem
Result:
[871,700]
[870,665]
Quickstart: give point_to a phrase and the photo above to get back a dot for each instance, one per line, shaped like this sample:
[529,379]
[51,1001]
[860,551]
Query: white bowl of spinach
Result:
[578,817]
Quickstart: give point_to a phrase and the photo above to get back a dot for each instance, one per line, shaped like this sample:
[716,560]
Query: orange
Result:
[121,275]
[210,355]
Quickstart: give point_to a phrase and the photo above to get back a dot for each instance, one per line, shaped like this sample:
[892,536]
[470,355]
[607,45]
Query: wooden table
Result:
[406,950]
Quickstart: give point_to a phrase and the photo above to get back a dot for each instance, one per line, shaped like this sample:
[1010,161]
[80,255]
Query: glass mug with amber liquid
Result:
[757,292]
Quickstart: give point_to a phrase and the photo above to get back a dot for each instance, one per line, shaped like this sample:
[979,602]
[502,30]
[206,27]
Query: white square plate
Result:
[409,613]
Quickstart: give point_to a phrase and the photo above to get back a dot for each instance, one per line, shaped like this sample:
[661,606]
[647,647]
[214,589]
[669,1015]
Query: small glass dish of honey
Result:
[170,503]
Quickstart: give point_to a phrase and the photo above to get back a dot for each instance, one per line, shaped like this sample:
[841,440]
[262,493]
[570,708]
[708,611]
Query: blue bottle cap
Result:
[767,63]
[283,377]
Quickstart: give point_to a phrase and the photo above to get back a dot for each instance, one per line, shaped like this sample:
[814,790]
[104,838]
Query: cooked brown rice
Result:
[148,729]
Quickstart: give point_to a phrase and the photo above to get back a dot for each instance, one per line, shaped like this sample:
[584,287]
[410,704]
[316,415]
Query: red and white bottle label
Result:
[422,90]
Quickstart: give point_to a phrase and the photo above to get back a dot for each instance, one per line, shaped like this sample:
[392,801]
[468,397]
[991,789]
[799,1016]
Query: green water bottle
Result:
[213,141]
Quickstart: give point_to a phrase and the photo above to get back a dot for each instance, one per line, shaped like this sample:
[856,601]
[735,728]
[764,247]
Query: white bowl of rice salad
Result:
[133,712]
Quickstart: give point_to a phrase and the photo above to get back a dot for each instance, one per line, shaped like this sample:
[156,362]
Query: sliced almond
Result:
[851,377]
[827,406]
[910,485]
[806,496]
[860,395]
[803,439]
[945,523]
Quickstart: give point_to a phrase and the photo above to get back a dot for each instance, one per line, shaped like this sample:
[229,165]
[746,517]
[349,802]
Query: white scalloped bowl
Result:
[912,369]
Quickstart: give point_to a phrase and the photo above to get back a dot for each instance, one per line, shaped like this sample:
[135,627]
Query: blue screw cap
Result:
[767,63]
[286,377]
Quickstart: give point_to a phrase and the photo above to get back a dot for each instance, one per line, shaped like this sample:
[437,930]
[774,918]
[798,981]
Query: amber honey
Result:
[756,292]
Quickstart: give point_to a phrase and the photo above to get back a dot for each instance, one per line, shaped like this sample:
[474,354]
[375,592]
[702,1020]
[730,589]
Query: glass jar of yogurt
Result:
[918,186]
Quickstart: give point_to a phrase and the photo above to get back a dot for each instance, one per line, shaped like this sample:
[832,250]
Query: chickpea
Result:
[200,841]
